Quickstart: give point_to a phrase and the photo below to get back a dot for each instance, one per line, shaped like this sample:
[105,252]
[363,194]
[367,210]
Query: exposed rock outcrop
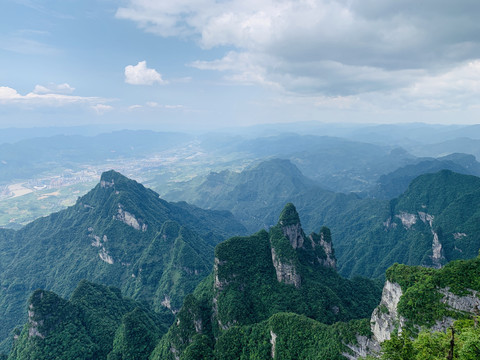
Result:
[33,324]
[273,341]
[363,347]
[107,184]
[130,219]
[325,242]
[286,271]
[408,220]
[437,252]
[294,233]
[385,317]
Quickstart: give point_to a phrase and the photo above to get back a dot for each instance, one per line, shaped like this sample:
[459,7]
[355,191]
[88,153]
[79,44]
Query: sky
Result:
[206,64]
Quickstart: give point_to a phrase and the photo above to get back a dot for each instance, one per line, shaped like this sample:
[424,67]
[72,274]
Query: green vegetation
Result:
[95,322]
[369,234]
[436,345]
[119,234]
[248,302]
[420,302]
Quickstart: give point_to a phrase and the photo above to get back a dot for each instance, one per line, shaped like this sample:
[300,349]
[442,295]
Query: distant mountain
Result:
[463,144]
[255,196]
[29,157]
[119,234]
[370,234]
[337,164]
[96,323]
[239,309]
[395,183]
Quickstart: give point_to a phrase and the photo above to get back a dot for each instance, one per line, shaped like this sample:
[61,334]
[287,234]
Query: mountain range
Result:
[120,234]
[122,263]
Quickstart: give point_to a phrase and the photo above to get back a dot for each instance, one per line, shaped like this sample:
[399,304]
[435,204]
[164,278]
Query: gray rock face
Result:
[107,184]
[408,220]
[33,325]
[362,348]
[286,272]
[273,341]
[295,235]
[385,317]
[130,219]
[330,261]
[437,252]
[469,303]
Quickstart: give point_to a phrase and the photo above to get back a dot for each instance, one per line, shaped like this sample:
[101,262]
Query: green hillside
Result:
[119,234]
[256,281]
[369,234]
[96,323]
[433,304]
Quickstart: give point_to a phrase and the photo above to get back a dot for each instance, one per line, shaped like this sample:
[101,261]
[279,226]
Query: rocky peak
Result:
[323,242]
[289,216]
[114,180]
[291,227]
[44,308]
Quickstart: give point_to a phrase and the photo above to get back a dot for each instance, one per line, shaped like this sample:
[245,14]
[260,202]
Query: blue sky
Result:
[208,63]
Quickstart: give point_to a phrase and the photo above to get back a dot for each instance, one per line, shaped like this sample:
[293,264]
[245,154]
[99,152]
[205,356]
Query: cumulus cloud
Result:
[141,75]
[329,48]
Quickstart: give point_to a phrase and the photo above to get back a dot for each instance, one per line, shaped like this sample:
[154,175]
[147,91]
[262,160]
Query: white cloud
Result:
[54,89]
[141,75]
[134,107]
[43,97]
[101,109]
[154,104]
[368,49]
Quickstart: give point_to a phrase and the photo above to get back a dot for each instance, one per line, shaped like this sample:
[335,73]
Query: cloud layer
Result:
[330,48]
[141,75]
[52,95]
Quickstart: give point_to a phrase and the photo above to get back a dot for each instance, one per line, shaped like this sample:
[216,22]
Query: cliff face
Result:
[95,321]
[385,317]
[426,298]
[286,270]
[288,242]
[270,276]
[120,234]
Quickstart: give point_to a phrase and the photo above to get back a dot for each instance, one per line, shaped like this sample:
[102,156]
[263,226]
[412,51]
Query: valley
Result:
[213,252]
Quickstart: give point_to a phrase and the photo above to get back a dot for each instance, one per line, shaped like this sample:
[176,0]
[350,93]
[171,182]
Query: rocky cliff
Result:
[425,298]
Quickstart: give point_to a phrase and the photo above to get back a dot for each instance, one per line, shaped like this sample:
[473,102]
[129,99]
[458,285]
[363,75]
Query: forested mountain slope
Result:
[257,279]
[120,234]
[431,223]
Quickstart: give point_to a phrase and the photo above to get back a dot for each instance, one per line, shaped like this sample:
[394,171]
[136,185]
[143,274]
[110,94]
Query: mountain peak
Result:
[112,177]
[289,216]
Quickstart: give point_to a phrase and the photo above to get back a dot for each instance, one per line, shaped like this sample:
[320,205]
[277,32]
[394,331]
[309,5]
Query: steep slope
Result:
[255,195]
[336,163]
[395,183]
[95,323]
[370,234]
[120,234]
[433,222]
[258,277]
[420,306]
